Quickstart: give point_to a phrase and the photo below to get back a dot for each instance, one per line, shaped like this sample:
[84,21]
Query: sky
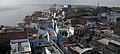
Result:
[78,2]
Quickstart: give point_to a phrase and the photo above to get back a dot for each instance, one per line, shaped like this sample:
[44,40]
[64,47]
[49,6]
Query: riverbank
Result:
[13,17]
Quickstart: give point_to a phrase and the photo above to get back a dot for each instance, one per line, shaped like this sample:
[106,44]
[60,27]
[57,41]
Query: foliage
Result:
[81,12]
[91,11]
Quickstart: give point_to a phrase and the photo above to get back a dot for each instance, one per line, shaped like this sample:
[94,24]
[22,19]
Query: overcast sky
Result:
[80,2]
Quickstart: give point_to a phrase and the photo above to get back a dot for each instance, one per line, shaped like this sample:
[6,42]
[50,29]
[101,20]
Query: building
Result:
[108,46]
[113,16]
[41,45]
[43,34]
[37,14]
[64,31]
[78,48]
[6,37]
[84,21]
[27,19]
[20,46]
[118,21]
[13,35]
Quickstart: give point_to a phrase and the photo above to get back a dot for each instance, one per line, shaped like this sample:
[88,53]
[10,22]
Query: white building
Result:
[44,33]
[20,46]
[113,16]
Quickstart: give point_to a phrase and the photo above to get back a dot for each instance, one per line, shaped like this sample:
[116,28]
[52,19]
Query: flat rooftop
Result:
[115,42]
[104,41]
[20,45]
[79,48]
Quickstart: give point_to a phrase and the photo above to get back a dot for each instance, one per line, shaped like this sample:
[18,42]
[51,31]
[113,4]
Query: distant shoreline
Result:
[14,16]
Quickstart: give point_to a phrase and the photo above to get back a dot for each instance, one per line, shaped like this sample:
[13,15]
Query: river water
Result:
[12,17]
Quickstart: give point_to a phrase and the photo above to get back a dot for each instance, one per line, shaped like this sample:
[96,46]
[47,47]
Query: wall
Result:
[13,35]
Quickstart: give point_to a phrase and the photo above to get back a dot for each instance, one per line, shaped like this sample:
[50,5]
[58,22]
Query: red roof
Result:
[13,35]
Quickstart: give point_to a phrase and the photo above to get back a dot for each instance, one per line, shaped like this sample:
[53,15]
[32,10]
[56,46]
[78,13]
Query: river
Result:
[14,16]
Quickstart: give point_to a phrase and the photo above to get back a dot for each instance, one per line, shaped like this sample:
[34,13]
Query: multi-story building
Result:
[20,46]
[112,17]
[107,46]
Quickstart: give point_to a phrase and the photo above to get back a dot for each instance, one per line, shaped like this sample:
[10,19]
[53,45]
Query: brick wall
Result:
[13,35]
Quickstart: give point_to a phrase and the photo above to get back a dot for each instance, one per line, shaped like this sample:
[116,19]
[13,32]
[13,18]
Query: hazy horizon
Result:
[110,3]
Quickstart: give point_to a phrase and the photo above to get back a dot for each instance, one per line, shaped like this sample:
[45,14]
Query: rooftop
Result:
[20,45]
[41,18]
[115,37]
[79,48]
[13,35]
[104,41]
[115,42]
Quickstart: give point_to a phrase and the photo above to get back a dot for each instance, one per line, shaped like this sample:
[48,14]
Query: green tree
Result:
[82,12]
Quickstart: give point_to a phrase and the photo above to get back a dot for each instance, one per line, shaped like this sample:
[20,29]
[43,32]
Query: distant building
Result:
[21,25]
[64,31]
[103,17]
[27,19]
[37,14]
[113,16]
[84,21]
[118,21]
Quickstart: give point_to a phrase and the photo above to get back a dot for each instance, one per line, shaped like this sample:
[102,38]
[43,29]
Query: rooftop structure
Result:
[108,46]
[77,48]
[41,45]
[104,41]
[115,37]
[115,42]
[20,46]
[113,16]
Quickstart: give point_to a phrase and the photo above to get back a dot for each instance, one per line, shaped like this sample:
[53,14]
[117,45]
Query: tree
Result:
[82,12]
[102,9]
